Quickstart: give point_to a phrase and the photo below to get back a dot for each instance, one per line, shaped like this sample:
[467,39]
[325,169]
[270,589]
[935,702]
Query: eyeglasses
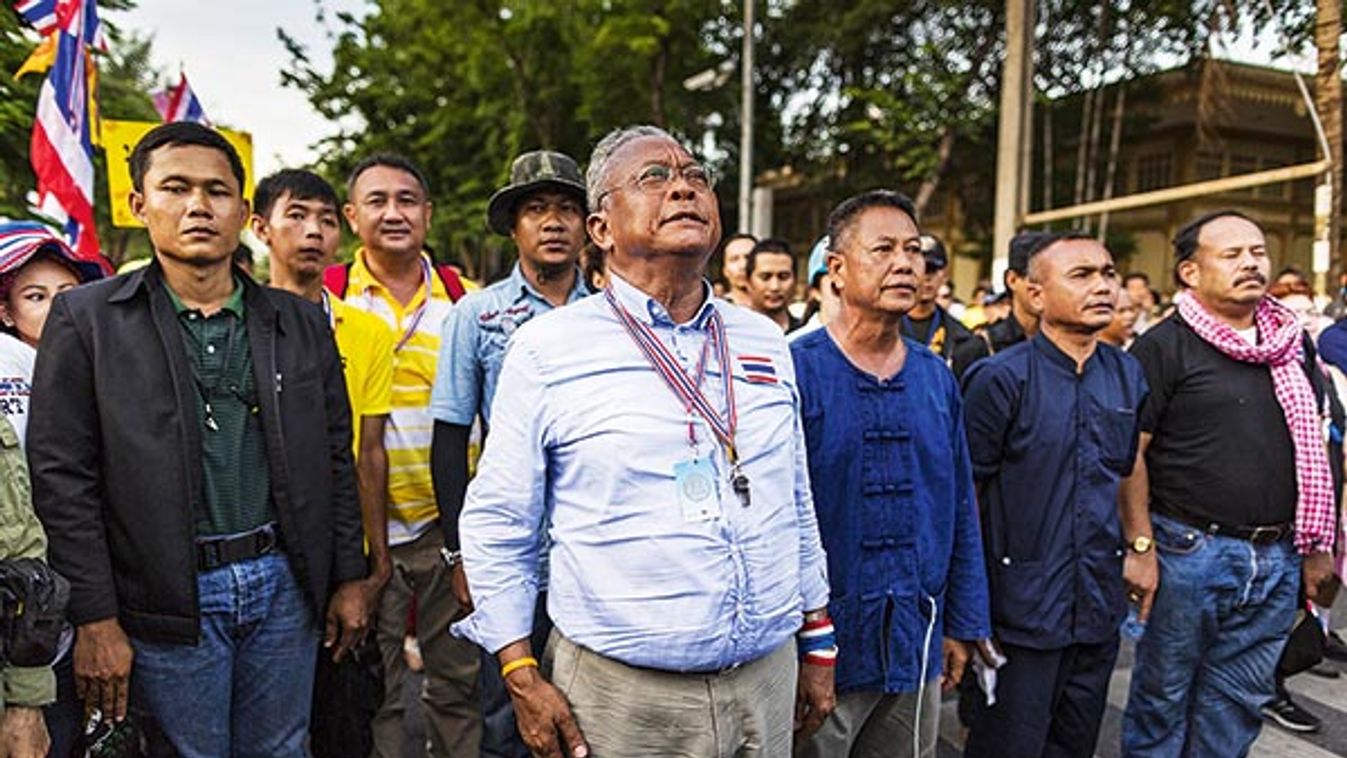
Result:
[656,178]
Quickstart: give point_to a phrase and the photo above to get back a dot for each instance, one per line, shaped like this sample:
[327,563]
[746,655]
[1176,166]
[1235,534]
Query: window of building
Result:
[1210,165]
[1154,172]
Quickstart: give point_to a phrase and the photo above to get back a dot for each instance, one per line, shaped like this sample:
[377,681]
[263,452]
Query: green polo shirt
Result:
[236,482]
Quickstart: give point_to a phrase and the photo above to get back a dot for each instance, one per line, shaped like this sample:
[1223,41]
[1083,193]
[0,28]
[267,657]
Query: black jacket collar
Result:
[256,298]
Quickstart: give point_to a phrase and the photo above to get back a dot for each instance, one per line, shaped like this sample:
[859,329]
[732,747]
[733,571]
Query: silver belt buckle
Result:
[1272,532]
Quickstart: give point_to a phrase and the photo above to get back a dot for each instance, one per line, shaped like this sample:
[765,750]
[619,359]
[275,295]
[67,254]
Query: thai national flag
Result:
[40,13]
[179,103]
[46,16]
[758,369]
[61,150]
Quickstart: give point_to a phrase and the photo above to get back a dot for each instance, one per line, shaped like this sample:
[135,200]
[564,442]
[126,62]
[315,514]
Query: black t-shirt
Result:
[1220,450]
[949,338]
[919,329]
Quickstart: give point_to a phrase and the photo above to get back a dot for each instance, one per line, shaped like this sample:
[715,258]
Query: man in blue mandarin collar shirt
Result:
[894,491]
[1052,428]
[653,433]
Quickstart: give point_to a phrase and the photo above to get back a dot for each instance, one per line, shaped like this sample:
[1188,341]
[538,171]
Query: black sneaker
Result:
[1335,648]
[1290,716]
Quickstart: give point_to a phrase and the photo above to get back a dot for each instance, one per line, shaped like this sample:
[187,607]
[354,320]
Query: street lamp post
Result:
[746,126]
[1016,78]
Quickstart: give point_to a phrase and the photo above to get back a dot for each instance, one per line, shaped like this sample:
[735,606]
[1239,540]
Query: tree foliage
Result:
[463,87]
[852,95]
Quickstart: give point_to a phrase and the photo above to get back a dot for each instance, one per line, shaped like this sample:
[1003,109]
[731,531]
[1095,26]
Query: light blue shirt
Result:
[584,439]
[473,340]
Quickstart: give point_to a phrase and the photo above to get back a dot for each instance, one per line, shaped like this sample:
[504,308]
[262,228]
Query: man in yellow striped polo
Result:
[388,207]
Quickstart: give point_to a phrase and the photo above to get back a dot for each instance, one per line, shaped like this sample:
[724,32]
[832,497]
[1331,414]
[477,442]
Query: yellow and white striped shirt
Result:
[411,493]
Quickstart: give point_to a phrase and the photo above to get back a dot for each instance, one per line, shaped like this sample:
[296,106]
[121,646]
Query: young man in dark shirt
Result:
[1023,320]
[770,272]
[1234,487]
[932,325]
[194,473]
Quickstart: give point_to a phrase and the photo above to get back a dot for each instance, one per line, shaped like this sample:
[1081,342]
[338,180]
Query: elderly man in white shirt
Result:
[654,433]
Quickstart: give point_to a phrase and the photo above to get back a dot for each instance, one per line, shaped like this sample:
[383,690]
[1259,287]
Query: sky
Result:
[233,58]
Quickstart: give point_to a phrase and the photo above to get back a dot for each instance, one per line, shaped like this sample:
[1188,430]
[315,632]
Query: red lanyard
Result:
[420,310]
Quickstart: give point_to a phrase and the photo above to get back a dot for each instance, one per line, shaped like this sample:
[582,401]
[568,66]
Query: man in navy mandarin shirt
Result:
[653,432]
[1052,427]
[893,487]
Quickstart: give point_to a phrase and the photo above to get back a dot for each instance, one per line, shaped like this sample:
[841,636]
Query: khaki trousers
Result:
[449,698]
[628,712]
[876,725]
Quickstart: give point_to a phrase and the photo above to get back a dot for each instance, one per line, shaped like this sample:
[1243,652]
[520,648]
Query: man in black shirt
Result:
[1023,321]
[1229,488]
[932,325]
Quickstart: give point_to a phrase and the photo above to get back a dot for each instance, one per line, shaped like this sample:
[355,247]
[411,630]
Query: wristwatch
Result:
[1141,544]
[451,557]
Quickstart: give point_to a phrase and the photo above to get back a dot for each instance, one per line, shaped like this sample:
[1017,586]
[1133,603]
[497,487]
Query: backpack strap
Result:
[336,278]
[453,283]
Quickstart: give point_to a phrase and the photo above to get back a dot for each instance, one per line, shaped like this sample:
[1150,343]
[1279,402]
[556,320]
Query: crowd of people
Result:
[622,511]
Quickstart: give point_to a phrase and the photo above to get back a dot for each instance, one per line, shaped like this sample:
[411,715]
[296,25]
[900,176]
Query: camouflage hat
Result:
[540,170]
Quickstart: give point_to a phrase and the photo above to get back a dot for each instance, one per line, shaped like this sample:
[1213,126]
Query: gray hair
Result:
[597,171]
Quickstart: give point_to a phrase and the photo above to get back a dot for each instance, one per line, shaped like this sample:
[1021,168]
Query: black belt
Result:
[1258,535]
[214,552]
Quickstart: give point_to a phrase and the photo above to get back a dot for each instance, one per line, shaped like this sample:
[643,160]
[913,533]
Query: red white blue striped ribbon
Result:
[684,387]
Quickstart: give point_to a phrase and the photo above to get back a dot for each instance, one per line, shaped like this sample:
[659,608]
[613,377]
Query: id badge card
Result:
[698,495]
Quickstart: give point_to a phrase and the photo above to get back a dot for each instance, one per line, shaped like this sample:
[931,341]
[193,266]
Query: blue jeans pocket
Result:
[1177,538]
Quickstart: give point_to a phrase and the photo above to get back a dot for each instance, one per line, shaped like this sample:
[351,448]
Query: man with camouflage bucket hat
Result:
[543,210]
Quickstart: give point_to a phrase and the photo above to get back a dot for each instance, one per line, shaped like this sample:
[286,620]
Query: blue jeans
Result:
[1207,660]
[244,689]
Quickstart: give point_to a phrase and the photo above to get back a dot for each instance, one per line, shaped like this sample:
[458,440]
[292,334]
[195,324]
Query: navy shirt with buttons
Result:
[1050,445]
[893,490]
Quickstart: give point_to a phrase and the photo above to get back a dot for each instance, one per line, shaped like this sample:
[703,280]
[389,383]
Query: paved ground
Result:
[1326,698]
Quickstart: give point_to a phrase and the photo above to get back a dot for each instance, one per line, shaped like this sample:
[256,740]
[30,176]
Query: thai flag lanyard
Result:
[420,312]
[687,389]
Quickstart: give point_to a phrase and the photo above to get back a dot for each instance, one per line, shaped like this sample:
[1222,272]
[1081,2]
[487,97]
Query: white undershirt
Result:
[16,378]
[1249,335]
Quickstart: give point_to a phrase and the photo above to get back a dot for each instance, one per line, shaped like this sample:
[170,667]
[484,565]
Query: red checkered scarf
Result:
[1281,349]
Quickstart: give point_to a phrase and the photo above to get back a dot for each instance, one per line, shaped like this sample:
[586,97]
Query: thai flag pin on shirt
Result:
[758,369]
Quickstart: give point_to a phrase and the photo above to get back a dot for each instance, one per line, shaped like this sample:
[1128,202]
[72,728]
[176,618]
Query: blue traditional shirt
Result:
[473,341]
[1050,445]
[585,441]
[893,490]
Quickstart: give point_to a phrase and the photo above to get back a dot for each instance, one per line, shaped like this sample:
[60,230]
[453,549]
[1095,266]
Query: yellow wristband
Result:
[517,664]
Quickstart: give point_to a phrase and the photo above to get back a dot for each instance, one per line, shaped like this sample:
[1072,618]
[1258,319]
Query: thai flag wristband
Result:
[817,643]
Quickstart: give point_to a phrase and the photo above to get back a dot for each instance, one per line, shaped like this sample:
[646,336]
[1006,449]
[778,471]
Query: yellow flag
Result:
[95,115]
[41,59]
